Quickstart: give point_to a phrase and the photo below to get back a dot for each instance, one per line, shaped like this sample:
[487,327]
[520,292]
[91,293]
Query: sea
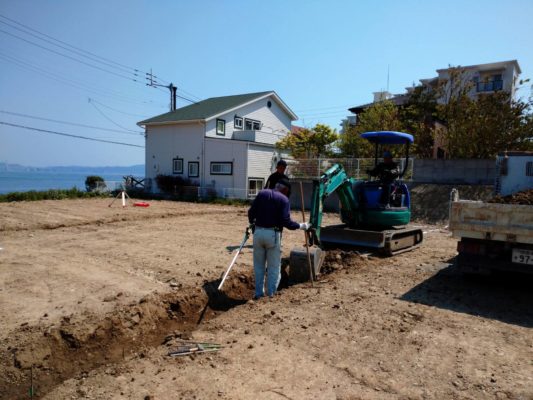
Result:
[23,181]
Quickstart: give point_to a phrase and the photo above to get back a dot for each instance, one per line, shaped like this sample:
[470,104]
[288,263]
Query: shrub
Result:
[172,184]
[53,194]
[94,182]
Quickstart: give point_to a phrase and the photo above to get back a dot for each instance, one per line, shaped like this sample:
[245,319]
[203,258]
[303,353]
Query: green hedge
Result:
[53,194]
[74,193]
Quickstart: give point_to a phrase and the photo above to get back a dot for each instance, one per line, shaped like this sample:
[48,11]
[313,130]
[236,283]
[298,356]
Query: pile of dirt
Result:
[525,198]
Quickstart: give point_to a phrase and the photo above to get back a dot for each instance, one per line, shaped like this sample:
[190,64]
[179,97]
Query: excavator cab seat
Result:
[370,195]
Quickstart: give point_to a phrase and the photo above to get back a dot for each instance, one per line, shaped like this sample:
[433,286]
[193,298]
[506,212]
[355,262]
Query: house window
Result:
[254,186]
[177,166]
[194,169]
[221,168]
[252,125]
[221,127]
[490,84]
[529,168]
[238,123]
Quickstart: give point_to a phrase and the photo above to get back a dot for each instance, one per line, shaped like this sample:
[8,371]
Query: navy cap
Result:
[281,163]
[285,182]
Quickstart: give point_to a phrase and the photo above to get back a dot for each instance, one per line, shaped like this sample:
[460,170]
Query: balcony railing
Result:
[490,86]
[257,136]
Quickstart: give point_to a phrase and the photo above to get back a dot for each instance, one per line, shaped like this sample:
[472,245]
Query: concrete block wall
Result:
[472,172]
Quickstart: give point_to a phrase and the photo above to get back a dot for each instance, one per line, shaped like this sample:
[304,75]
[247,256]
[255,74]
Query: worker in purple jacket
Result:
[269,214]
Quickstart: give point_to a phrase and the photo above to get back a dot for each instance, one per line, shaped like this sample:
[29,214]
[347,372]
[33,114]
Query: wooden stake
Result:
[305,234]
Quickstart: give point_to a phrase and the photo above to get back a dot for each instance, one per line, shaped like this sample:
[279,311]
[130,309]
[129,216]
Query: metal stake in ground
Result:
[123,195]
[305,234]
[246,236]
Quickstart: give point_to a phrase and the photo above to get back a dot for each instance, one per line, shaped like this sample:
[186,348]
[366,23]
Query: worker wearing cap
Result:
[386,171]
[274,178]
[269,214]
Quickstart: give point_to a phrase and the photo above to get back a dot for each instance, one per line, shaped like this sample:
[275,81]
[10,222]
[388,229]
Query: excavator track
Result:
[402,240]
[388,242]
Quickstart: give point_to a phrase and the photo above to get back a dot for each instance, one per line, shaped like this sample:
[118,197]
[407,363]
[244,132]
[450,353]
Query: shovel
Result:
[246,236]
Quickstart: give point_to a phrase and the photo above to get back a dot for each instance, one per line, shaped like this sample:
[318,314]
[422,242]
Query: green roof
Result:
[204,109]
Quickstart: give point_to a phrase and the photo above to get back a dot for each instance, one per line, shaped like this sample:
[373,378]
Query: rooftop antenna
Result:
[388,68]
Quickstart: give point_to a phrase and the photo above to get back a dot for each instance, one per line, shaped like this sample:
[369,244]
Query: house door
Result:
[255,185]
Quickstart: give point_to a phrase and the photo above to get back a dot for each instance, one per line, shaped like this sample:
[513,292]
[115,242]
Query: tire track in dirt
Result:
[114,219]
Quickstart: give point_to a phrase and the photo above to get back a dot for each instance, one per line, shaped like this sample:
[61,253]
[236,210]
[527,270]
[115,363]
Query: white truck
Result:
[496,236]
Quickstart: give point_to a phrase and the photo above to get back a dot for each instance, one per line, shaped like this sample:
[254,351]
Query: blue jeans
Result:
[267,253]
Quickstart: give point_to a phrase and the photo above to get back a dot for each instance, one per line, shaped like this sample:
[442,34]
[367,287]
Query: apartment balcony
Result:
[490,86]
[257,136]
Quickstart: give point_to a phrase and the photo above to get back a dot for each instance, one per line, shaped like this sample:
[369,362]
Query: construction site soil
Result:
[93,298]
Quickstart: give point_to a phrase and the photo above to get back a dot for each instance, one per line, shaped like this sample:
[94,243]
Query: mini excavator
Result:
[367,221]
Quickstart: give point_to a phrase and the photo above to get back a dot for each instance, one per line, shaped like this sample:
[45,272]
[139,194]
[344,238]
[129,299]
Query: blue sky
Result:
[321,57]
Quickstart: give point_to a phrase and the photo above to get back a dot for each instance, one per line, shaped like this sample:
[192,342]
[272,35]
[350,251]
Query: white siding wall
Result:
[260,161]
[166,142]
[219,150]
[517,178]
[274,119]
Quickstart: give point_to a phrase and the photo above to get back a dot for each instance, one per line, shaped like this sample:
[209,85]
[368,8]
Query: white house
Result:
[223,143]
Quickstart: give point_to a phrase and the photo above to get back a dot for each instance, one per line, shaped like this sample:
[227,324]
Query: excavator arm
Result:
[336,180]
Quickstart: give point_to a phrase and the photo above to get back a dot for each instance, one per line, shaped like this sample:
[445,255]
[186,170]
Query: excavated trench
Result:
[48,356]
[79,344]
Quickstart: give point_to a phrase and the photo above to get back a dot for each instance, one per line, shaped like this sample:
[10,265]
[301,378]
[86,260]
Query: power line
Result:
[69,57]
[326,108]
[71,82]
[83,53]
[173,90]
[69,45]
[185,98]
[79,53]
[69,135]
[69,123]
[189,94]
[114,109]
[109,119]
[326,113]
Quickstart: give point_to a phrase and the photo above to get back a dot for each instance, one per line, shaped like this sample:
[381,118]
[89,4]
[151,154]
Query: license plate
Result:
[522,256]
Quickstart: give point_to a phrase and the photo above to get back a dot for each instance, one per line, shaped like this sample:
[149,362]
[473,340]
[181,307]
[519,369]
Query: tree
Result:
[94,182]
[309,143]
[418,116]
[382,116]
[483,126]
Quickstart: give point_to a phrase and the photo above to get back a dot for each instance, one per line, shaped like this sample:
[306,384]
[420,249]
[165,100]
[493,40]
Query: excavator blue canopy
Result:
[388,137]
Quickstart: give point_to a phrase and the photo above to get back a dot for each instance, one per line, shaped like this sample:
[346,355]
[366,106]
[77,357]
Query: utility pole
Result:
[173,89]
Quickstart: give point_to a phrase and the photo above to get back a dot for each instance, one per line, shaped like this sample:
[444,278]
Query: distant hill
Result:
[127,170]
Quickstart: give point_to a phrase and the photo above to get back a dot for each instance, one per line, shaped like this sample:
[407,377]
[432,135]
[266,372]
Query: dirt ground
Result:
[92,299]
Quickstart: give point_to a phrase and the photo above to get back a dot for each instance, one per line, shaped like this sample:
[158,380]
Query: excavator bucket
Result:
[299,264]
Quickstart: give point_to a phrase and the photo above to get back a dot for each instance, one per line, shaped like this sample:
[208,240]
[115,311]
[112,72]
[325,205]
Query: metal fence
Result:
[109,186]
[354,167]
[303,169]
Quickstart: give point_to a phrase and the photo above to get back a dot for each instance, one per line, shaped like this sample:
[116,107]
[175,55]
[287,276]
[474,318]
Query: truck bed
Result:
[492,221]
